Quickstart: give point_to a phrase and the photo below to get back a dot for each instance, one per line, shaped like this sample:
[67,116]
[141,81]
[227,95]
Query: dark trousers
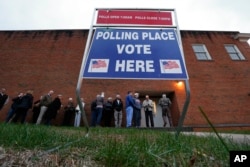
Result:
[20,112]
[137,114]
[48,121]
[36,112]
[68,117]
[107,117]
[149,115]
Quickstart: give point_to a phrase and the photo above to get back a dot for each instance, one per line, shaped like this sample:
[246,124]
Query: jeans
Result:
[129,113]
[11,113]
[96,117]
[77,119]
[99,116]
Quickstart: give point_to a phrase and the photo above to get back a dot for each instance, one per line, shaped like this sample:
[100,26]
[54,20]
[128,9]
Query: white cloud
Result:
[220,15]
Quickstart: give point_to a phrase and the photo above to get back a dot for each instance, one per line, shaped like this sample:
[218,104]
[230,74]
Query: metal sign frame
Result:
[94,25]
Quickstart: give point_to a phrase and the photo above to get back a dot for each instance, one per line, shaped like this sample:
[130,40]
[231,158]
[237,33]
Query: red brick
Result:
[51,59]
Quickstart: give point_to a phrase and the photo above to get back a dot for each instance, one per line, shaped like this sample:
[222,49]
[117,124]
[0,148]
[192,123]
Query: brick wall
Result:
[51,59]
[220,86]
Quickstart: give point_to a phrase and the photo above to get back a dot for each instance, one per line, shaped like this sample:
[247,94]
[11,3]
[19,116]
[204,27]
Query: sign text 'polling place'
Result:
[135,54]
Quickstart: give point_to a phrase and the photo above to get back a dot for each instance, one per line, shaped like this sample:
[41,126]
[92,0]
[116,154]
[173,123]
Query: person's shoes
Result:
[164,125]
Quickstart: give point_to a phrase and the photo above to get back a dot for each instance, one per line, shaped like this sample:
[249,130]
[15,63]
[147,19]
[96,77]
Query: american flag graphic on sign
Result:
[170,66]
[98,64]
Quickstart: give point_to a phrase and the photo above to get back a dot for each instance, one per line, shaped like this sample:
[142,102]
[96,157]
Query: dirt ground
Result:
[30,158]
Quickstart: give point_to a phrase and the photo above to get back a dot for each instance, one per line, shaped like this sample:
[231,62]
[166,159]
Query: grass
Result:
[118,147]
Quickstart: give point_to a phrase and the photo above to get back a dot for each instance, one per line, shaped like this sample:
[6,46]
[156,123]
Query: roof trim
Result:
[242,37]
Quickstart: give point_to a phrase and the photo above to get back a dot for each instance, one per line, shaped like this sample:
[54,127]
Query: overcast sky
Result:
[218,15]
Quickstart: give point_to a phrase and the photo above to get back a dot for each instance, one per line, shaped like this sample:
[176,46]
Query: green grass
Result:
[120,147]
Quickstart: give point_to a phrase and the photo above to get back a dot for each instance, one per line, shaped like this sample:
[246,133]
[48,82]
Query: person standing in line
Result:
[148,108]
[36,110]
[96,110]
[99,108]
[108,112]
[78,114]
[165,103]
[69,111]
[93,113]
[129,102]
[137,111]
[4,98]
[53,109]
[118,106]
[16,101]
[24,106]
[45,101]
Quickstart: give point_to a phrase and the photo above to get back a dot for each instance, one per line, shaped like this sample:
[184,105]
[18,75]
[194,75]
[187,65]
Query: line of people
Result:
[134,107]
[106,111]
[133,110]
[44,110]
[102,112]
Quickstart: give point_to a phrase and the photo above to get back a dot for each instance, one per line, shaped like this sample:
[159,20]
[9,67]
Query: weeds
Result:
[116,147]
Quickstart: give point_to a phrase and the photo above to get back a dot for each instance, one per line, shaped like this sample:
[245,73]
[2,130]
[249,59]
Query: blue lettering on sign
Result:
[135,54]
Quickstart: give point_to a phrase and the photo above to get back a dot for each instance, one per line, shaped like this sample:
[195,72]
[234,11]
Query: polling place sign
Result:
[135,54]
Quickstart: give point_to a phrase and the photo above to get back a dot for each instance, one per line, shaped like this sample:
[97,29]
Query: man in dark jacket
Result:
[118,106]
[24,106]
[16,102]
[108,112]
[69,111]
[93,113]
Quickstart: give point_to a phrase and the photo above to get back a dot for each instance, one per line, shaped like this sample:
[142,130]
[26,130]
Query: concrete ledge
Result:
[239,138]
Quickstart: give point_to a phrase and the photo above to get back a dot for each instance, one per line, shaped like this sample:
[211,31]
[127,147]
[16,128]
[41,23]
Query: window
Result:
[201,52]
[234,52]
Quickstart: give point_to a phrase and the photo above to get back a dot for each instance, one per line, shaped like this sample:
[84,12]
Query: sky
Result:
[211,15]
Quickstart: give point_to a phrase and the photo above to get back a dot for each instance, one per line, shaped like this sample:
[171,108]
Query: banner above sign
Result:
[135,54]
[136,17]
